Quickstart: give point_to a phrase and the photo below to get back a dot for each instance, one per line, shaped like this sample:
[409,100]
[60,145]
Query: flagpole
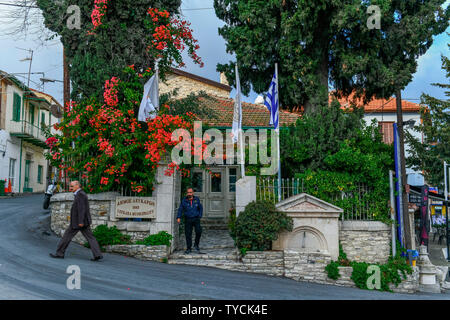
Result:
[238,88]
[277,130]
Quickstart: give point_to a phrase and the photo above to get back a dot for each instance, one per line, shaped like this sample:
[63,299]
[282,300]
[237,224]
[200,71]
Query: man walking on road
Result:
[193,212]
[80,220]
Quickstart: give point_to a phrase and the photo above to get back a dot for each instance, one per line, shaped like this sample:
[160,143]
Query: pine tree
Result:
[322,42]
[429,155]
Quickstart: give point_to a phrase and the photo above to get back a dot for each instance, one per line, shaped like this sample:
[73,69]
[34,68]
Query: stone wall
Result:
[142,252]
[306,266]
[266,262]
[99,205]
[187,86]
[365,241]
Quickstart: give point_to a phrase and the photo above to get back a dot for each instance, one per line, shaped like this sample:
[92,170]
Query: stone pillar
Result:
[166,193]
[245,192]
[427,274]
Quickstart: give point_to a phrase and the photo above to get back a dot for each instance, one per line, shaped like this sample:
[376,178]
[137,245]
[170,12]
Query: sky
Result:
[47,55]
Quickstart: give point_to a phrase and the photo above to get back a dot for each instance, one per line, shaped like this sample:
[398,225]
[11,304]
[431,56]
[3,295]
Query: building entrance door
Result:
[215,199]
[26,183]
[217,192]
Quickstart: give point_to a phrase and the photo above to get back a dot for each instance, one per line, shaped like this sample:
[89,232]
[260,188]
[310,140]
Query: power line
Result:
[191,9]
[18,5]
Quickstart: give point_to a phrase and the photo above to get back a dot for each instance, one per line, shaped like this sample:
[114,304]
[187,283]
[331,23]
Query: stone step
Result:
[210,239]
[211,254]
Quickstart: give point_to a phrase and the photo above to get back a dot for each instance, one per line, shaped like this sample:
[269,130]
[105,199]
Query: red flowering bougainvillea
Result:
[112,149]
[101,142]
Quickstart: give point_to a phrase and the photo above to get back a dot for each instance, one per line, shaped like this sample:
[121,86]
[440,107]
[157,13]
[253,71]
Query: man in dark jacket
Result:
[193,211]
[80,220]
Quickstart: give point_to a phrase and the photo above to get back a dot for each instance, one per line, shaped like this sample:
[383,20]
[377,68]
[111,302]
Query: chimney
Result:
[223,79]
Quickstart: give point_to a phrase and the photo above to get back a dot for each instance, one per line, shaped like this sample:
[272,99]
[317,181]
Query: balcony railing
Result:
[29,132]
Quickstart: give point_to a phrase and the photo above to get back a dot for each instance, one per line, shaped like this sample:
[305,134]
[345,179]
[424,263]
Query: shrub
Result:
[232,223]
[161,238]
[109,236]
[259,224]
[332,270]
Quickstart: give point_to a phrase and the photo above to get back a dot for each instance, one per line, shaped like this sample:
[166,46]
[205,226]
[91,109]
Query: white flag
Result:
[150,100]
[237,115]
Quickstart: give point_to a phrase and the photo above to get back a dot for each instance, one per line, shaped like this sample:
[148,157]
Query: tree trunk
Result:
[318,96]
[406,218]
[66,80]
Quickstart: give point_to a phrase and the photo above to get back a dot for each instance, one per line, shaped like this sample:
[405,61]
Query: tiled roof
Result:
[253,115]
[46,96]
[377,105]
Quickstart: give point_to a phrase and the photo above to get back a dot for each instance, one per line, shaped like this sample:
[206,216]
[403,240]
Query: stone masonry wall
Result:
[142,252]
[61,203]
[266,262]
[187,86]
[306,266]
[365,241]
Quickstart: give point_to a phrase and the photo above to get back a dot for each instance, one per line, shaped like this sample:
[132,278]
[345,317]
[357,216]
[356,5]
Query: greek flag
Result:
[271,102]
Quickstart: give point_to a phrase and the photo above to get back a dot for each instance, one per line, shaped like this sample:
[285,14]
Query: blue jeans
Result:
[188,224]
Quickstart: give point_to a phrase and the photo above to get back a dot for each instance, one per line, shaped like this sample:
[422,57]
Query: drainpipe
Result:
[20,165]
[21,141]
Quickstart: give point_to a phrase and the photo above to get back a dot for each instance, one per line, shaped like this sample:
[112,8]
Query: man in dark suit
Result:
[80,220]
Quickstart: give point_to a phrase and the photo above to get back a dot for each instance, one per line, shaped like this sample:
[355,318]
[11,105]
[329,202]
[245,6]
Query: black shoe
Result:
[187,251]
[197,249]
[56,256]
[97,258]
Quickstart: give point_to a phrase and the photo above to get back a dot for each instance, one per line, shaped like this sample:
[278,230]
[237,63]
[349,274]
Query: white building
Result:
[24,112]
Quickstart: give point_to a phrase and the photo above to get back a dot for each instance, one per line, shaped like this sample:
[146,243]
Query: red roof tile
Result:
[253,115]
[377,105]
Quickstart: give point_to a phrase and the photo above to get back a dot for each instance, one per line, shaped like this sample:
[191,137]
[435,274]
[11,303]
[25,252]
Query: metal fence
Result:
[357,204]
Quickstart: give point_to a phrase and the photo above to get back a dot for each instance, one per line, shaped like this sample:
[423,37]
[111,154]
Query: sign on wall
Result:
[136,207]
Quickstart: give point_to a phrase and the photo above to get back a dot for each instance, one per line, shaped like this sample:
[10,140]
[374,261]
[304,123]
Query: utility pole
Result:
[66,79]
[406,218]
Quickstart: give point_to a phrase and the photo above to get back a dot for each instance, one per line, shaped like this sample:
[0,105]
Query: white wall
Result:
[12,146]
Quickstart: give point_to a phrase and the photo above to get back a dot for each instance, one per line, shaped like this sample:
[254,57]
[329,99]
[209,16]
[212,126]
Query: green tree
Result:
[429,155]
[119,42]
[320,43]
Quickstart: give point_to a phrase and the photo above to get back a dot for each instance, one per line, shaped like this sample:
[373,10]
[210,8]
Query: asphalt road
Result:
[27,271]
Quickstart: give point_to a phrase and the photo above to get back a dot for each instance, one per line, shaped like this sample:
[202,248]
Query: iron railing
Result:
[357,203]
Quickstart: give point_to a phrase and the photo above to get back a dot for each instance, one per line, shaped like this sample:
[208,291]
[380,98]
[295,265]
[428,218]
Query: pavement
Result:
[27,272]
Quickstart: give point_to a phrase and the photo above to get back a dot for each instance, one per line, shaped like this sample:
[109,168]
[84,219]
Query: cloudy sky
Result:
[47,55]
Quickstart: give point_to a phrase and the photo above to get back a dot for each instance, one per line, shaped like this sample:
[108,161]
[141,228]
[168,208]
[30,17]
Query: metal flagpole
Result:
[238,96]
[277,130]
[445,181]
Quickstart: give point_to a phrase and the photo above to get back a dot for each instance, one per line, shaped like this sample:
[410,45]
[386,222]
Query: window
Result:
[43,125]
[31,113]
[17,101]
[197,181]
[216,182]
[387,130]
[39,177]
[232,179]
[12,170]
